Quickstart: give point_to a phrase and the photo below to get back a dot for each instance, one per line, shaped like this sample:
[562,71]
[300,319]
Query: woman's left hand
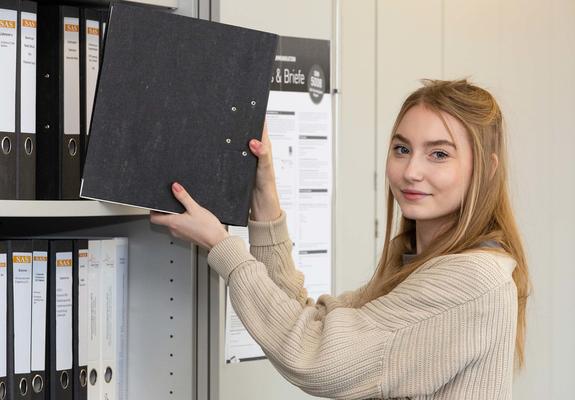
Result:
[196,224]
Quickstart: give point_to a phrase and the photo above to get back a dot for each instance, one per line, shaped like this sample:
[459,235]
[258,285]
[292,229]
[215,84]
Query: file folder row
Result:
[63,319]
[50,56]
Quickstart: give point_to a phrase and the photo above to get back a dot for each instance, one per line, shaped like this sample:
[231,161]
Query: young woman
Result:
[443,316]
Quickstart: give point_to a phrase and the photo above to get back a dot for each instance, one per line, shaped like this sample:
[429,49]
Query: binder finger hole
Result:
[108,375]
[28,146]
[72,147]
[93,377]
[37,384]
[64,380]
[23,386]
[83,378]
[6,145]
[2,391]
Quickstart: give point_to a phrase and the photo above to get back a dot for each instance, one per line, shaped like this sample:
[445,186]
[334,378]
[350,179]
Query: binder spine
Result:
[9,323]
[70,145]
[49,103]
[94,342]
[80,319]
[90,31]
[60,320]
[19,319]
[3,319]
[8,100]
[26,121]
[39,312]
[58,110]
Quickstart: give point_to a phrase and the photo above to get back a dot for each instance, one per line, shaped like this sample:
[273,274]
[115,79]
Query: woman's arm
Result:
[270,244]
[410,342]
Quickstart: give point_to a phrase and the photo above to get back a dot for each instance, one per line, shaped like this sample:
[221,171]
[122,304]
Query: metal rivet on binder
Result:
[244,153]
[47,126]
[228,140]
[47,76]
[234,109]
[6,145]
[253,103]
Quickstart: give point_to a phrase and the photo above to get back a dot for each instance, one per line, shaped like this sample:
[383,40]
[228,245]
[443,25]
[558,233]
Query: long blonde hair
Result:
[477,221]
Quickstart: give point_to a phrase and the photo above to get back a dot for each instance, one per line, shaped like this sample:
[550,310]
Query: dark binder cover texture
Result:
[178,99]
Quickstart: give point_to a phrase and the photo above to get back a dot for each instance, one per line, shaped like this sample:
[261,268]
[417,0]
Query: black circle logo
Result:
[316,83]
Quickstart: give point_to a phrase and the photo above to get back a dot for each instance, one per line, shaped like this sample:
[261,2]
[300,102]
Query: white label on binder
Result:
[3,313]
[8,40]
[108,300]
[39,273]
[94,247]
[83,315]
[92,66]
[71,76]
[114,301]
[22,284]
[122,317]
[63,311]
[28,73]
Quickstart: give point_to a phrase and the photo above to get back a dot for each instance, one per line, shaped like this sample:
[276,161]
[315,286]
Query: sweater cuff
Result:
[268,233]
[227,255]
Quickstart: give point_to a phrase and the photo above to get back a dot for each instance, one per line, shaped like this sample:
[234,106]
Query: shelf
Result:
[104,3]
[65,208]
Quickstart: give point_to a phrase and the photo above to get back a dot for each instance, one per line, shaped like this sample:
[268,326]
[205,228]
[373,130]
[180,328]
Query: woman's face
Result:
[440,170]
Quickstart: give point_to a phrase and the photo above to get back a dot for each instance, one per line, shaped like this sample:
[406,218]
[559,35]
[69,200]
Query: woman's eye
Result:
[399,147]
[443,155]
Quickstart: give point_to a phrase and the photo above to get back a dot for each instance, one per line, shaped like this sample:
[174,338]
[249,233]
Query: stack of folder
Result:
[63,319]
[50,57]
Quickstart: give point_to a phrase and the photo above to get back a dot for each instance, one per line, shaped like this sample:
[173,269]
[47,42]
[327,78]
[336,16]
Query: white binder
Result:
[94,277]
[83,314]
[114,290]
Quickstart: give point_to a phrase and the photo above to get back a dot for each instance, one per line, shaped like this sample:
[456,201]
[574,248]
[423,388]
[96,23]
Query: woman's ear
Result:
[494,164]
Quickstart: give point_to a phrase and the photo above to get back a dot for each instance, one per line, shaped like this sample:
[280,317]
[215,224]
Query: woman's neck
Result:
[427,230]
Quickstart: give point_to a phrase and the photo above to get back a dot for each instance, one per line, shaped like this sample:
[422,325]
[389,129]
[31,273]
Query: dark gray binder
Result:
[178,99]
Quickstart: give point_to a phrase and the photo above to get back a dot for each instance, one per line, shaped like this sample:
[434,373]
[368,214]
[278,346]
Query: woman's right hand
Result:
[265,200]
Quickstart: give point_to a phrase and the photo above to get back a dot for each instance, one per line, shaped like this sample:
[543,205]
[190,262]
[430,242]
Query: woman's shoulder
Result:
[481,266]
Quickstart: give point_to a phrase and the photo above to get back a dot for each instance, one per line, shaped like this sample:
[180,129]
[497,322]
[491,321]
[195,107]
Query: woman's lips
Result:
[413,196]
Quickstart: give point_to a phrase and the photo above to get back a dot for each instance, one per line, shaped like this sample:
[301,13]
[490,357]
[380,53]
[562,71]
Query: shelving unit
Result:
[162,287]
[80,208]
[164,305]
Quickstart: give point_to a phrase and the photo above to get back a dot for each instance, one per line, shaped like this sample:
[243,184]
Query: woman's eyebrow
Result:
[426,144]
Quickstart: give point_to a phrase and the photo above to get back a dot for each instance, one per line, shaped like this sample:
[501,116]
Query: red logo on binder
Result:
[93,31]
[22,259]
[4,23]
[71,28]
[28,23]
[2,265]
[83,254]
[40,258]
[67,262]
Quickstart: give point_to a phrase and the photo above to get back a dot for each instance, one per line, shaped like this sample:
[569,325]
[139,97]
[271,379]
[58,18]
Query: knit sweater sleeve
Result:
[271,245]
[444,317]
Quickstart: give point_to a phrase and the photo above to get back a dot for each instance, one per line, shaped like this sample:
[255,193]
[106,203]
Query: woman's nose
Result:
[414,169]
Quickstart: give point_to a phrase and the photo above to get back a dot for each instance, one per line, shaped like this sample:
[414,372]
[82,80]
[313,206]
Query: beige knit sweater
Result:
[446,332]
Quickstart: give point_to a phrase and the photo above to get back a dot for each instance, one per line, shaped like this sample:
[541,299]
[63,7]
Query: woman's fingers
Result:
[160,218]
[183,197]
[262,148]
